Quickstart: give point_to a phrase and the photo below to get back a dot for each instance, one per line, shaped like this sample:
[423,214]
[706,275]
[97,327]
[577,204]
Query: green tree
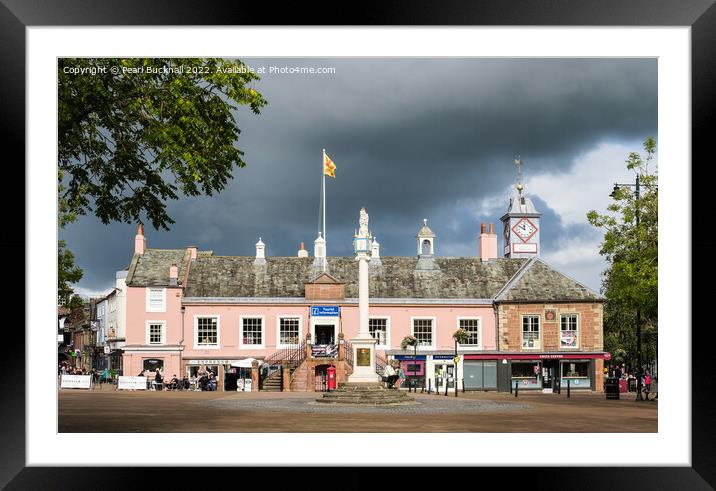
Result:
[67,272]
[135,133]
[630,245]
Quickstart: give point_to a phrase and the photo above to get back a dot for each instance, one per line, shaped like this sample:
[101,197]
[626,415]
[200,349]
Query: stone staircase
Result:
[272,383]
[365,394]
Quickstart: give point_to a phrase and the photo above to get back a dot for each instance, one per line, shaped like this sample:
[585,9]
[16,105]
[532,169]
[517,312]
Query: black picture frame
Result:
[700,15]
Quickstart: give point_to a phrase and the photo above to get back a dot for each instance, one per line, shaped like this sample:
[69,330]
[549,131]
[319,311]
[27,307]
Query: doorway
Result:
[549,373]
[325,334]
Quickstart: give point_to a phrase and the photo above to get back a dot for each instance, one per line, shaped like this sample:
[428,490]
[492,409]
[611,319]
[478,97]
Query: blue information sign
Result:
[410,357]
[442,357]
[324,310]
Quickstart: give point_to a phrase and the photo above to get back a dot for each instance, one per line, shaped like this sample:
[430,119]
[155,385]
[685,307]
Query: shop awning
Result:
[245,363]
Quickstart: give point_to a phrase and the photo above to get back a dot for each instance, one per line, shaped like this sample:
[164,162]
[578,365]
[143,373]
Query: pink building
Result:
[188,308]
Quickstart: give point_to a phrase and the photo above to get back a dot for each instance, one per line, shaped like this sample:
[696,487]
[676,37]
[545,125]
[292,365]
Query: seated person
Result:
[174,383]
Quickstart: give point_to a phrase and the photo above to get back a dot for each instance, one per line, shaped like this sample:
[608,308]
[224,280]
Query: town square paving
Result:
[112,411]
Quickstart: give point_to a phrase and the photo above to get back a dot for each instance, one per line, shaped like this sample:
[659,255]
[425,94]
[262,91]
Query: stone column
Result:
[363,345]
[254,376]
[286,380]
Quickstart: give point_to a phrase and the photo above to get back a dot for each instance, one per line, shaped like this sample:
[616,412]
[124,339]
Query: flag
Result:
[328,166]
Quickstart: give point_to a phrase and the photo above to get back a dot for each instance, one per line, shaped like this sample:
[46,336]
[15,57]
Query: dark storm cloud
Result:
[411,138]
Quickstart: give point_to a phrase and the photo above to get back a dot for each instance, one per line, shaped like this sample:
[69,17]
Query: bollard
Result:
[510,388]
[567,387]
[430,385]
[517,387]
[446,386]
[463,386]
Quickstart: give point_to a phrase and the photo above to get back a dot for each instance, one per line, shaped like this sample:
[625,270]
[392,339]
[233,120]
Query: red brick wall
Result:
[325,291]
[590,324]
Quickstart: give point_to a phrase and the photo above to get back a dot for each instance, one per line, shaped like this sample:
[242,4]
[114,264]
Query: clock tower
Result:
[521,226]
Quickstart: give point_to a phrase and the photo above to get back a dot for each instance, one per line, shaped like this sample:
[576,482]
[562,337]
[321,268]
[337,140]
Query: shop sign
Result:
[549,356]
[411,357]
[131,383]
[210,362]
[442,357]
[75,381]
[247,385]
[325,311]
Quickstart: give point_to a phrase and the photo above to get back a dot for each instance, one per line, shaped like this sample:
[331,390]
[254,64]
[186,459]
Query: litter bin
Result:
[611,388]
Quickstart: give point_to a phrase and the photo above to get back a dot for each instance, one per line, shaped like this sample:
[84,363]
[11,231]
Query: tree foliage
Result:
[136,133]
[67,272]
[630,284]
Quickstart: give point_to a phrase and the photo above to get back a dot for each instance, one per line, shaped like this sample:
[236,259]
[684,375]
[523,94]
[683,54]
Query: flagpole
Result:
[323,173]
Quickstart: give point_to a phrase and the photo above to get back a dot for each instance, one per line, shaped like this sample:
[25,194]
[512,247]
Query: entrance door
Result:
[444,374]
[549,373]
[325,334]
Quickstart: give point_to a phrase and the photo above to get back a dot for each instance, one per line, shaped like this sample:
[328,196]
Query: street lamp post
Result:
[638,309]
[456,359]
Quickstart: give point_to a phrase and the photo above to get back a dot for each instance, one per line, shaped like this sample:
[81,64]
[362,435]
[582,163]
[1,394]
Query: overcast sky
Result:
[412,139]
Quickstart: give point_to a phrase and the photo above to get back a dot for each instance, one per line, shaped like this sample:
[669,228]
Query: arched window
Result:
[425,249]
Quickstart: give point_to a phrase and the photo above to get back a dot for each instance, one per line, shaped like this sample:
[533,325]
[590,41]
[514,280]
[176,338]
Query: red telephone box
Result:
[331,377]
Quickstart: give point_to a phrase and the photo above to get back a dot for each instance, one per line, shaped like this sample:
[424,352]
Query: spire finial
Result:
[519,186]
[425,222]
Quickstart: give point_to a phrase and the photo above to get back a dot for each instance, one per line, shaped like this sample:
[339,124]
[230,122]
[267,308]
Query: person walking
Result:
[401,377]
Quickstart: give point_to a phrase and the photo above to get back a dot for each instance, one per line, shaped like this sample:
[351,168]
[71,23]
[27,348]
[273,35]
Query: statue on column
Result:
[363,223]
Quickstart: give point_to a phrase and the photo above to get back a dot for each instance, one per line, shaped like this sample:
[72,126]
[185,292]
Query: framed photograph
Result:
[439,119]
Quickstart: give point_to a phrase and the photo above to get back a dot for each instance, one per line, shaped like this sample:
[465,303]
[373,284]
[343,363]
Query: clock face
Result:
[524,229]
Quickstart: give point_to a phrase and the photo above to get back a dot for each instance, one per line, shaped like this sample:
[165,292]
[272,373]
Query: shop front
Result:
[414,368]
[442,373]
[545,372]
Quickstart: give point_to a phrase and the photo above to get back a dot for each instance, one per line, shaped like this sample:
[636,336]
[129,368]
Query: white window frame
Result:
[387,330]
[279,345]
[198,346]
[433,333]
[163,308]
[575,314]
[479,332]
[539,331]
[147,333]
[263,332]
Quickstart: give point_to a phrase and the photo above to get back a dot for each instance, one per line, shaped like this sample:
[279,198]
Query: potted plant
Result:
[461,336]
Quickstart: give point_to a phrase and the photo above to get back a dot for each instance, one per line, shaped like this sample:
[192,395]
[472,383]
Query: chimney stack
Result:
[488,243]
[173,274]
[260,258]
[302,252]
[192,252]
[140,242]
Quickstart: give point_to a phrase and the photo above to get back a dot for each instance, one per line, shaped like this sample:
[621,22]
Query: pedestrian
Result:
[618,372]
[390,376]
[157,380]
[401,377]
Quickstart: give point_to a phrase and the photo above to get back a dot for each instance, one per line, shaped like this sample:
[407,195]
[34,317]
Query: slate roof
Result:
[541,282]
[152,267]
[502,279]
[457,278]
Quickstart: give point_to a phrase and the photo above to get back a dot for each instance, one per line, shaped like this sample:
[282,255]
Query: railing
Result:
[286,358]
[348,350]
[380,364]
